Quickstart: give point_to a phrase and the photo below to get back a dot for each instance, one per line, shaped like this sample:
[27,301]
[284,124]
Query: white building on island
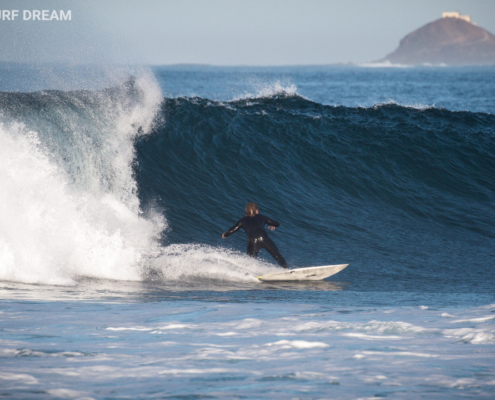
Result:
[456,14]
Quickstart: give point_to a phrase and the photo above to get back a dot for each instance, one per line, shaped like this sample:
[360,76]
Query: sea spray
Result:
[68,196]
[199,263]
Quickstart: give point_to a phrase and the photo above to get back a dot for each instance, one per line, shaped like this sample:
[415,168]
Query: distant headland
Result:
[451,40]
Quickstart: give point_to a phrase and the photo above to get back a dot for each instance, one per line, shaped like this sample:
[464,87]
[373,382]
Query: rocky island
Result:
[451,40]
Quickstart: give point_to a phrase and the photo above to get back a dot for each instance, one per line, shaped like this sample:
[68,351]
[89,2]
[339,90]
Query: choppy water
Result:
[115,282]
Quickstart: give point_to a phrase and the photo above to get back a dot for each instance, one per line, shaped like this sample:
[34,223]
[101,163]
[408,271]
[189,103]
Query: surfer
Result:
[257,238]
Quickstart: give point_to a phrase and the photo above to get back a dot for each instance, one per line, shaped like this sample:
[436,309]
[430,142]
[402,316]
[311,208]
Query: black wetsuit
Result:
[257,238]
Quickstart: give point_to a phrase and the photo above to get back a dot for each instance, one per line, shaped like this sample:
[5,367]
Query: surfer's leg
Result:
[273,250]
[253,248]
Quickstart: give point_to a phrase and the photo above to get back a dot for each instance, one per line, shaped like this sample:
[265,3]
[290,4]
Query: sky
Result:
[222,32]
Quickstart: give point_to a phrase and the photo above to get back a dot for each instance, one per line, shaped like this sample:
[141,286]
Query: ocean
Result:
[117,183]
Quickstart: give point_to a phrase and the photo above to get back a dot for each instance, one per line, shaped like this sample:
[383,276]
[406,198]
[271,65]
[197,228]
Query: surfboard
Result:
[304,274]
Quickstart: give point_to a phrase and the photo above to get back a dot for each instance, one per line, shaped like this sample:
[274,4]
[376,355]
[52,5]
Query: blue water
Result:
[116,186]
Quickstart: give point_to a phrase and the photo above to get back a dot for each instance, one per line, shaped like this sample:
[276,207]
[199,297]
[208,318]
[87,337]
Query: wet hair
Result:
[251,209]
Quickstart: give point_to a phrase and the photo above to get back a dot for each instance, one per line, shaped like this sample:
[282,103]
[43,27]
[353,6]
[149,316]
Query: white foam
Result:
[313,375]
[393,328]
[196,371]
[297,344]
[374,337]
[55,225]
[249,323]
[4,353]
[276,88]
[129,329]
[174,326]
[417,106]
[442,65]
[482,319]
[186,261]
[383,64]
[67,393]
[271,89]
[471,335]
[479,338]
[34,353]
[24,378]
[204,342]
[394,353]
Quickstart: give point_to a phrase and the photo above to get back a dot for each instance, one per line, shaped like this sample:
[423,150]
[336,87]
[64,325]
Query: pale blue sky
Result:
[224,32]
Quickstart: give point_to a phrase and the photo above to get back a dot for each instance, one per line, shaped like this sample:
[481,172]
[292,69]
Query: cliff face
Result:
[450,41]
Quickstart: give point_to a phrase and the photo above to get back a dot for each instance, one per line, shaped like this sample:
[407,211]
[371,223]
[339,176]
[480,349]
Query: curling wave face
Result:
[403,193]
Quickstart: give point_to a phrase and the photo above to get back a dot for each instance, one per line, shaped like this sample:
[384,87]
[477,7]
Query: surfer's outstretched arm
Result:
[272,224]
[232,230]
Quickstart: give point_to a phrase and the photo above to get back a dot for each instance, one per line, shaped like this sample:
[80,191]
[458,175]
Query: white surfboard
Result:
[304,274]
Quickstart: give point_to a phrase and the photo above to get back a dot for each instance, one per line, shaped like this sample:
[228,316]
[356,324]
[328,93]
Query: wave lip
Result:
[263,90]
[417,106]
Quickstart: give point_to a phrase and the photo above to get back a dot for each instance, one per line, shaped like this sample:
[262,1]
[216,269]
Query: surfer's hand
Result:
[223,235]
[272,228]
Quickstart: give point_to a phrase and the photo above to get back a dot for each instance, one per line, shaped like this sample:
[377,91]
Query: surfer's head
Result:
[251,209]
